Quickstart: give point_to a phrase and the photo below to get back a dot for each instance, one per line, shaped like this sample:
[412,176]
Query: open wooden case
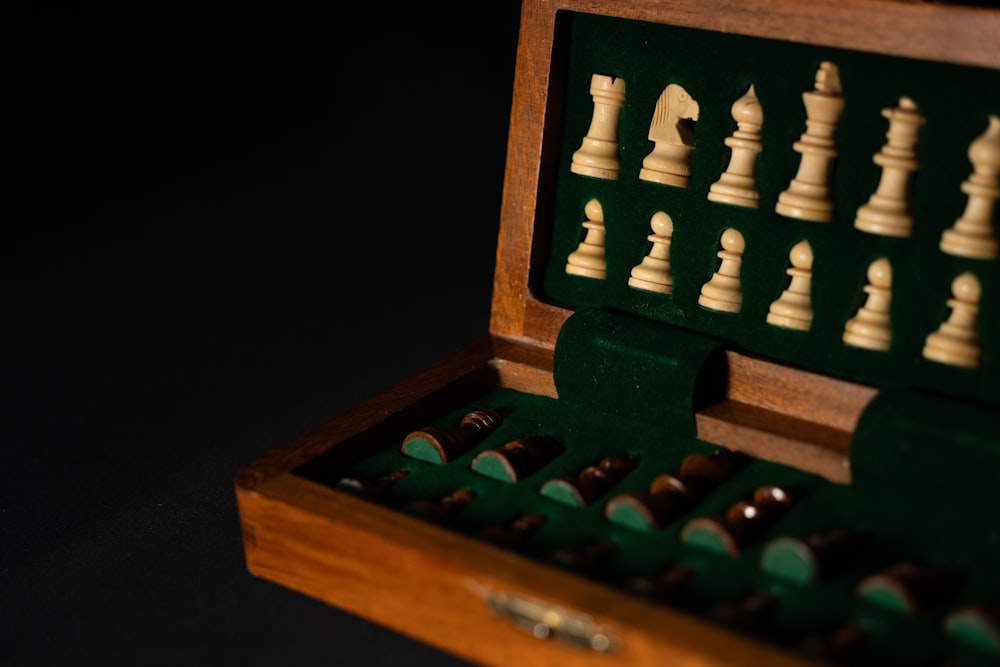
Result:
[650,470]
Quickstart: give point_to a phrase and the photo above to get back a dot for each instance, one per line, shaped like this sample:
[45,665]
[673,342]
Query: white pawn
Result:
[888,210]
[870,327]
[738,184]
[588,258]
[793,309]
[808,195]
[598,154]
[972,234]
[653,272]
[722,291]
[955,342]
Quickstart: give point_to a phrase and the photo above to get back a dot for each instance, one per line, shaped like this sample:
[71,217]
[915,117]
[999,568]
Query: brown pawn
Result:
[667,586]
[514,534]
[438,445]
[976,626]
[517,459]
[742,524]
[587,559]
[670,495]
[444,509]
[908,588]
[371,489]
[749,614]
[591,483]
[811,559]
[842,645]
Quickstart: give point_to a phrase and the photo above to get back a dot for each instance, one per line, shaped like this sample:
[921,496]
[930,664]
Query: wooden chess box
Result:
[740,400]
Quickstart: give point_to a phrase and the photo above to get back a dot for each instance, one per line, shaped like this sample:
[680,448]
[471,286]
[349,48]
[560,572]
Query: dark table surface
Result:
[225,224]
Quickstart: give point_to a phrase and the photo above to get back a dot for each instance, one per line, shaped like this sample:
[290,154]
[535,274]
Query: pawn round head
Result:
[661,224]
[593,211]
[966,287]
[880,272]
[732,241]
[801,255]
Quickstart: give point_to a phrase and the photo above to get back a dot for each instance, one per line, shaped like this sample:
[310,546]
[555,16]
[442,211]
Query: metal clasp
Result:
[546,621]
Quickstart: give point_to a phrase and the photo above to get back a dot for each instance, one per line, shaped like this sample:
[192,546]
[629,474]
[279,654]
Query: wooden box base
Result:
[465,596]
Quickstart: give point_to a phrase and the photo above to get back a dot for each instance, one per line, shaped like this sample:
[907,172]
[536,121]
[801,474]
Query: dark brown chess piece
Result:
[748,614]
[742,524]
[591,483]
[841,645]
[670,495]
[668,585]
[444,509]
[438,445]
[372,489]
[587,559]
[814,558]
[517,459]
[908,588]
[514,534]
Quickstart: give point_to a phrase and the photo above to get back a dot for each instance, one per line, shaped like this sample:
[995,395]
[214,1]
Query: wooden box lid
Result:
[949,33]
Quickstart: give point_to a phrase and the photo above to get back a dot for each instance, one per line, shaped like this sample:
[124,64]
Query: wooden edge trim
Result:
[773,437]
[961,34]
[804,395]
[432,584]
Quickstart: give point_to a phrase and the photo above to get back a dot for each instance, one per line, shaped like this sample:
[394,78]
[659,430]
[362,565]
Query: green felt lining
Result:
[805,609]
[627,369]
[715,68]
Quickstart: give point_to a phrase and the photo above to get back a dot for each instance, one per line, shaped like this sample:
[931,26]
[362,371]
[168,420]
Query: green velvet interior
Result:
[627,369]
[899,527]
[716,68]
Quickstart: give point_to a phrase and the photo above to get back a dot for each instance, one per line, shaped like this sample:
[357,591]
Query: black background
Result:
[225,223]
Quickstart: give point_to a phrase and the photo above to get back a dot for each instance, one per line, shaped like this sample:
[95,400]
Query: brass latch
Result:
[546,621]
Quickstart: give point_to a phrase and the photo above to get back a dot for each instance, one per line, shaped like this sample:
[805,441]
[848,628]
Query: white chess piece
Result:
[793,309]
[588,258]
[653,272]
[808,196]
[669,162]
[972,235]
[871,327]
[738,183]
[888,210]
[956,342]
[722,291]
[598,154]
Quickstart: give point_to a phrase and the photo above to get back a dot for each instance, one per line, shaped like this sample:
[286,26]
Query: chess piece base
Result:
[810,203]
[650,285]
[789,316]
[723,305]
[735,190]
[664,178]
[871,336]
[963,245]
[668,164]
[586,271]
[945,350]
[884,221]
